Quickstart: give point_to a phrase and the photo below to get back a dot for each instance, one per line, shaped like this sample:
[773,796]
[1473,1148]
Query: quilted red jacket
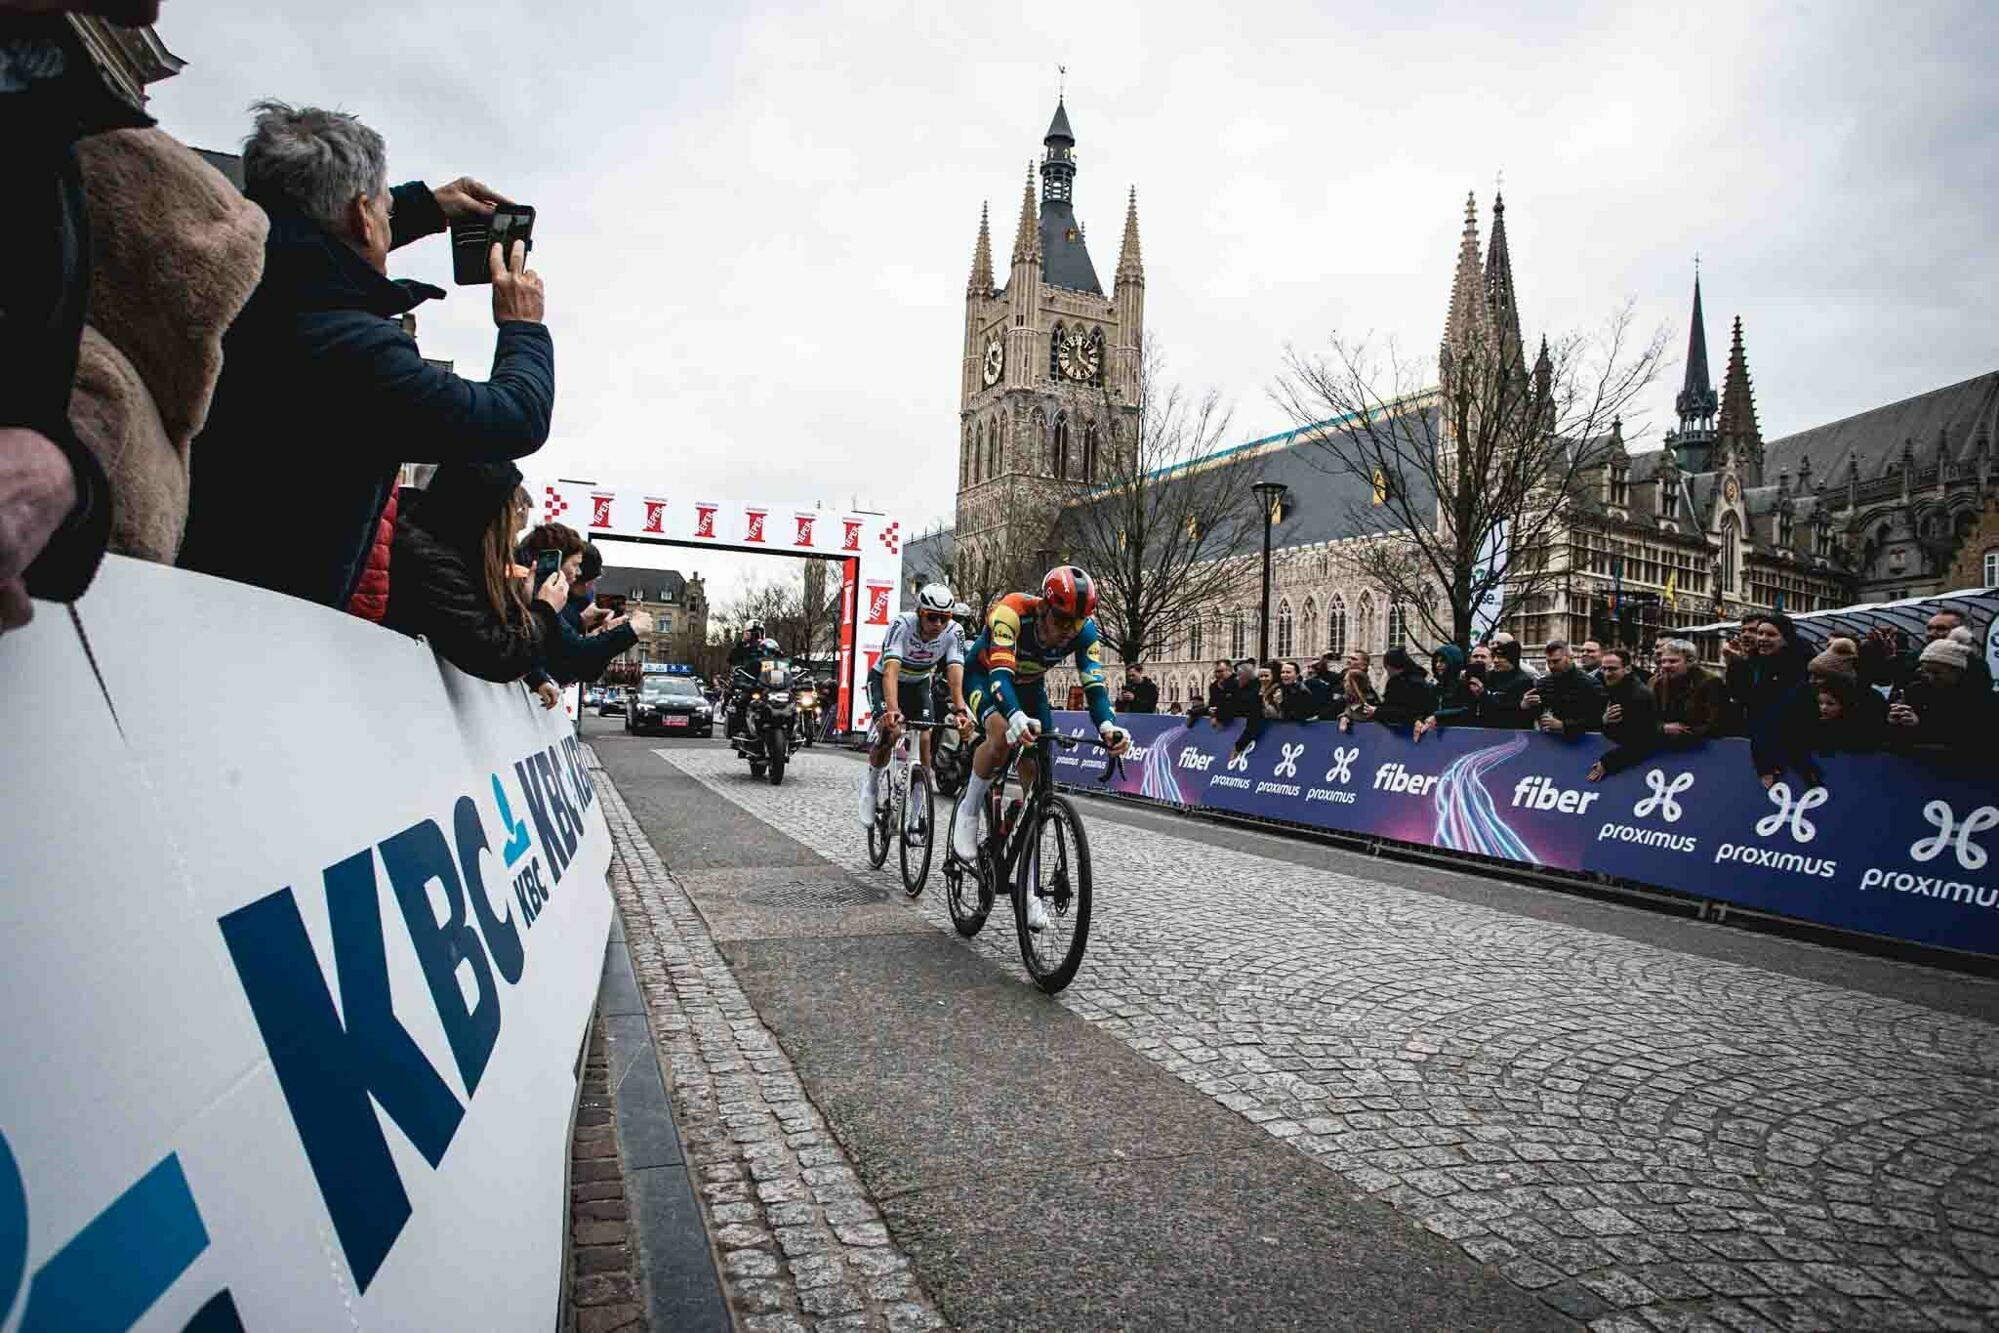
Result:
[371,595]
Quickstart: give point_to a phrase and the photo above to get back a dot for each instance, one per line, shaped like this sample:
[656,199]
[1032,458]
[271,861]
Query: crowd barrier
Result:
[301,931]
[1890,844]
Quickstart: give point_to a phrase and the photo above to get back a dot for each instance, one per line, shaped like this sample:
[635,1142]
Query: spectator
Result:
[1944,706]
[1499,694]
[1220,680]
[1693,704]
[583,613]
[569,654]
[1589,659]
[1139,695]
[55,501]
[1356,699]
[1844,645]
[1569,703]
[1450,674]
[1289,698]
[1630,716]
[1886,660]
[457,584]
[1407,697]
[1481,657]
[1241,698]
[317,372]
[1321,682]
[1765,665]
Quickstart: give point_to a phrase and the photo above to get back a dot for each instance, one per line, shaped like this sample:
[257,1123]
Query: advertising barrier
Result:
[301,933]
[1891,844]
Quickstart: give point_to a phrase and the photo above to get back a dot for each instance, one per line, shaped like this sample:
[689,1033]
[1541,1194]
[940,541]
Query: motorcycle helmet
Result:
[1070,591]
[935,598]
[754,631]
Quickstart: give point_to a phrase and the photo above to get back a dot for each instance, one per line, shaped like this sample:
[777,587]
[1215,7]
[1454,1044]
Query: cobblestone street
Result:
[1642,1137]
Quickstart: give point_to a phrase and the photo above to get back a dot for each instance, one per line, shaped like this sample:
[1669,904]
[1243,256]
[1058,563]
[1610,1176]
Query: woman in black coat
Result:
[452,579]
[1766,667]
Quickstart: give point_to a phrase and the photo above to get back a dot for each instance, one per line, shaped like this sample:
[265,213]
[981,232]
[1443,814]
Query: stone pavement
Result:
[801,1245]
[1643,1137]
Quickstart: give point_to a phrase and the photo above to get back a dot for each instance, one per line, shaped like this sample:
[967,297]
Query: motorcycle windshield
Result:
[776,674]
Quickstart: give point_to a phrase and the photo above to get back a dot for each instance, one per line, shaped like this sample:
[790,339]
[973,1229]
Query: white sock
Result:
[975,791]
[872,780]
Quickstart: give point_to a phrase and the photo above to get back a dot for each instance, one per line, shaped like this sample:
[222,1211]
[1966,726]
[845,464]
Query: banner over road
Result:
[1891,845]
[302,930]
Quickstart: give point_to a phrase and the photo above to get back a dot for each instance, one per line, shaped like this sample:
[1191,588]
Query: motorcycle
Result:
[766,718]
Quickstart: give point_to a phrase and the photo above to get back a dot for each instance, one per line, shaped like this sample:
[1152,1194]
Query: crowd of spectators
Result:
[229,381]
[1791,704]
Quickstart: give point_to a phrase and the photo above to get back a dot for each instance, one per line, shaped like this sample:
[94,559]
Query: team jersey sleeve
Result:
[954,646]
[1090,666]
[892,645]
[1002,645]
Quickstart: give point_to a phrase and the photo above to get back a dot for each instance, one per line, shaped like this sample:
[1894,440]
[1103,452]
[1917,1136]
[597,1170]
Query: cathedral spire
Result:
[981,283]
[1027,237]
[1464,325]
[1130,268]
[1737,431]
[1696,401]
[1499,287]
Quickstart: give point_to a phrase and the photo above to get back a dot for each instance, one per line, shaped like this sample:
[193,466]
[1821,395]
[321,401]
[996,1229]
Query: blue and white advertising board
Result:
[301,933]
[1890,844]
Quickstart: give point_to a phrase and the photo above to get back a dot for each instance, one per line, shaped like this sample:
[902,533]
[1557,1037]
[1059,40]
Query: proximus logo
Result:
[1664,798]
[1792,812]
[1969,854]
[1287,762]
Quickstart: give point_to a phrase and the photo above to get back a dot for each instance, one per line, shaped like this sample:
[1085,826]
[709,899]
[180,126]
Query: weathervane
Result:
[1061,82]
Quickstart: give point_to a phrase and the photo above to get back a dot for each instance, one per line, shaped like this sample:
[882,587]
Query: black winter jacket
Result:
[323,396]
[1499,704]
[1574,699]
[1407,698]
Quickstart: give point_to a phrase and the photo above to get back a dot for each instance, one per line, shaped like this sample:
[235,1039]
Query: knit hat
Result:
[1396,658]
[1949,652]
[1827,665]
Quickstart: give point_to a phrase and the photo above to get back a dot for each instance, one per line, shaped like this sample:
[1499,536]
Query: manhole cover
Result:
[823,894]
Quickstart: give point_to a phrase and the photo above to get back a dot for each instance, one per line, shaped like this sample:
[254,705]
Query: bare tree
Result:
[1159,531]
[1472,483]
[983,569]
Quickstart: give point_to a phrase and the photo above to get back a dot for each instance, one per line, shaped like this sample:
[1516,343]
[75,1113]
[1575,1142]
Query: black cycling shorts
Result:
[913,697]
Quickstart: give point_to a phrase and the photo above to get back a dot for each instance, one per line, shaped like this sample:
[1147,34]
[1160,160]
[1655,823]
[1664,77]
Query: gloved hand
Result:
[1114,737]
[1020,724]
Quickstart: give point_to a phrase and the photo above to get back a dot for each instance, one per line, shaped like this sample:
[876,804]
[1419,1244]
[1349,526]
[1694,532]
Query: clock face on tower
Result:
[995,361]
[1079,356]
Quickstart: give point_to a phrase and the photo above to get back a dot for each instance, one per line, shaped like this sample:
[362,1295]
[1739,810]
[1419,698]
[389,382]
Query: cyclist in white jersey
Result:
[918,643]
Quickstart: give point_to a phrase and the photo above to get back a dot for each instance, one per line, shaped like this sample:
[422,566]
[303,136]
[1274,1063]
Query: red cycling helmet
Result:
[1070,591]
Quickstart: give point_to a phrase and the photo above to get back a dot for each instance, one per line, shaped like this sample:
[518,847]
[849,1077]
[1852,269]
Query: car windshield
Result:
[678,687]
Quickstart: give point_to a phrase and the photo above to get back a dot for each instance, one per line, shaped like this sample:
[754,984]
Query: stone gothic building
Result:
[1715,523]
[1050,371]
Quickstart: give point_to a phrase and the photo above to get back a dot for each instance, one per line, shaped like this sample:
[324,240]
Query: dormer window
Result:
[1620,485]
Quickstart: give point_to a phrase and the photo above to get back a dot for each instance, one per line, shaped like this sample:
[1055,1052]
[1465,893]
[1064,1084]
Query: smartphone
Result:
[473,238]
[545,563]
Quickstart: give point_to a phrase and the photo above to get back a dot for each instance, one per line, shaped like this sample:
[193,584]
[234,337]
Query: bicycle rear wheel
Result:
[1054,866]
[918,826]
[882,832]
[968,889]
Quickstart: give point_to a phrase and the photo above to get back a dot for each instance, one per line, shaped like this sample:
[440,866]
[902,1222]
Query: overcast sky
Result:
[756,229]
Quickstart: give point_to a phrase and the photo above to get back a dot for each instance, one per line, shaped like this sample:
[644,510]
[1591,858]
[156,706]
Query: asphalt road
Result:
[1296,1086]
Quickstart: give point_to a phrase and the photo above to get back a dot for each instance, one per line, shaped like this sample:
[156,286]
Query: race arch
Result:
[868,546]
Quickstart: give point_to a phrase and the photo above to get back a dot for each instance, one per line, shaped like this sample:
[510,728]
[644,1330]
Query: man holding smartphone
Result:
[323,388]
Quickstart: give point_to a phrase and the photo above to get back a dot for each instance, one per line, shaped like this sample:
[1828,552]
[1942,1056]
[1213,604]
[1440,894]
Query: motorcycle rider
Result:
[744,656]
[1024,636]
[900,684]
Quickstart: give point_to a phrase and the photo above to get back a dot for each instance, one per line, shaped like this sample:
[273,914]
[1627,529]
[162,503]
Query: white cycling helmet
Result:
[935,597]
[963,611]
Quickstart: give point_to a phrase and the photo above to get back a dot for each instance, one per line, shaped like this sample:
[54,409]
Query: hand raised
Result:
[517,289]
[467,198]
[554,591]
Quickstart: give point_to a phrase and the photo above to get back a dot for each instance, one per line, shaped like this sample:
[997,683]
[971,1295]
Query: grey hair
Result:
[1684,647]
[312,159]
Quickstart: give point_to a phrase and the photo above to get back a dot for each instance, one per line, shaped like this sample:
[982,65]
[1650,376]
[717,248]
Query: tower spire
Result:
[981,283]
[1027,237]
[1464,324]
[1130,267]
[1696,401]
[1736,429]
[1499,287]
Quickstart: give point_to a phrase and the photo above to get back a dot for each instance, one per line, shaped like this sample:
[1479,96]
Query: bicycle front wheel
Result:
[1054,867]
[882,832]
[919,821]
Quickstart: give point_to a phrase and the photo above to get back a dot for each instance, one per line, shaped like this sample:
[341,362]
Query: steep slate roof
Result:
[1875,437]
[651,585]
[1065,259]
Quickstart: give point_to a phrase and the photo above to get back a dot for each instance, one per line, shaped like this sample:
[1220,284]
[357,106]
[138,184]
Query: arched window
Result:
[1061,445]
[1729,535]
[979,452]
[1398,624]
[1285,629]
[1097,358]
[1090,451]
[1308,624]
[994,459]
[1055,337]
[1236,649]
[965,458]
[1194,639]
[1172,689]
[1363,627]
[1336,626]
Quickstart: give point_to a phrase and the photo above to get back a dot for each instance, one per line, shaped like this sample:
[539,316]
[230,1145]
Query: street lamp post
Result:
[1268,494]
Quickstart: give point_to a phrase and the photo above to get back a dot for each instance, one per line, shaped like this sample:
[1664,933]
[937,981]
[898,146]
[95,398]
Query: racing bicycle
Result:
[1033,842]
[907,812]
